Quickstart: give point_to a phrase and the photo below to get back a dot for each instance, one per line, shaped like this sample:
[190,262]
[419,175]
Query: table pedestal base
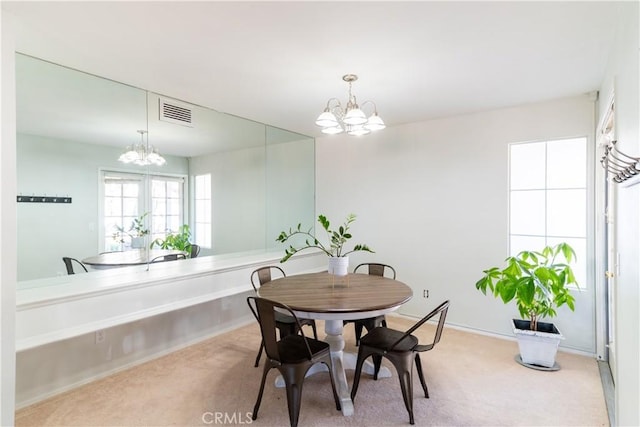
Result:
[341,362]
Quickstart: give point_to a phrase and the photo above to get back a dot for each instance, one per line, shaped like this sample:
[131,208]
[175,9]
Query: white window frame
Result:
[201,236]
[584,260]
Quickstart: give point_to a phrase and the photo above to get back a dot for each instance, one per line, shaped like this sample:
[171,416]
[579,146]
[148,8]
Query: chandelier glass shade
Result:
[142,154]
[352,119]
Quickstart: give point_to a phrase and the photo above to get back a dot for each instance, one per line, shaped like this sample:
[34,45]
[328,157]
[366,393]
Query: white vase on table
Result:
[339,266]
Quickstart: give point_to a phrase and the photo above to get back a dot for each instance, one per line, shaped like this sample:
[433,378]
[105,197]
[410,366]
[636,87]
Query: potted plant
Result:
[338,259]
[177,241]
[136,232]
[539,283]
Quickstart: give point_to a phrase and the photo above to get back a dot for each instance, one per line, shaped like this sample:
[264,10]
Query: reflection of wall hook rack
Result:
[621,166]
[43,199]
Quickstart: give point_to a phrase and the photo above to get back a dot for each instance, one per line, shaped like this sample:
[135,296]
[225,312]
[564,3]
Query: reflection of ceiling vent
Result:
[172,112]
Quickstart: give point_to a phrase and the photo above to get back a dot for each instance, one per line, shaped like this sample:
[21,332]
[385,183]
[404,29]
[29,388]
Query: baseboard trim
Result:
[495,335]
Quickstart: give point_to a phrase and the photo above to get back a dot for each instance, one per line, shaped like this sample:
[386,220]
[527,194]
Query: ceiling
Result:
[279,62]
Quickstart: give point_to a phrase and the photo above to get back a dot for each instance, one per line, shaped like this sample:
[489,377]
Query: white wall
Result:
[431,199]
[623,73]
[7,222]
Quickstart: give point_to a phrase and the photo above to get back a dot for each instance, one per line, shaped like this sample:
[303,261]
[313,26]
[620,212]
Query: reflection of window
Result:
[125,199]
[548,197]
[202,199]
[166,205]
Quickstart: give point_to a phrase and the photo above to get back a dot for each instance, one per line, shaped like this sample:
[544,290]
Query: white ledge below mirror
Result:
[54,309]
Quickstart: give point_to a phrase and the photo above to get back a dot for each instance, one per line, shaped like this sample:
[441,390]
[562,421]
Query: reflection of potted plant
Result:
[539,284]
[338,260]
[137,230]
[177,241]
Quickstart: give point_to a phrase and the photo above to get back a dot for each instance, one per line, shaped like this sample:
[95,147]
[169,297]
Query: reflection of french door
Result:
[607,134]
[612,269]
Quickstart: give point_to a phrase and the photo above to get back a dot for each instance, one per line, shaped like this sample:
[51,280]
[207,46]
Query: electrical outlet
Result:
[425,293]
[100,336]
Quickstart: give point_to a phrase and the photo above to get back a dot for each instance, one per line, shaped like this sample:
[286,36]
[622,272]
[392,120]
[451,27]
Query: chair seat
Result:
[384,338]
[293,350]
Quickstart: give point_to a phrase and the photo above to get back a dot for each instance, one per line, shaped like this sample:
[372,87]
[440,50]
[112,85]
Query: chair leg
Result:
[267,367]
[377,363]
[259,354]
[404,367]
[358,328]
[315,333]
[421,376]
[294,379]
[357,372]
[328,364]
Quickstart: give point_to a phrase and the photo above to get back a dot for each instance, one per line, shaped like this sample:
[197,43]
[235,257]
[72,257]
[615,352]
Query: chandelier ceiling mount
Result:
[352,119]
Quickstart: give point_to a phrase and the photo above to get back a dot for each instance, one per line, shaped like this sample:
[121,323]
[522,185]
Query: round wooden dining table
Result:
[335,299]
[132,257]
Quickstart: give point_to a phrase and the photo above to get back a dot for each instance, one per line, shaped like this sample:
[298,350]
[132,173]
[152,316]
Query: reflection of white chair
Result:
[68,262]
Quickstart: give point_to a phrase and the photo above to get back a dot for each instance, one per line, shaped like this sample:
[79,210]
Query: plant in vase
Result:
[179,240]
[136,232]
[338,259]
[539,284]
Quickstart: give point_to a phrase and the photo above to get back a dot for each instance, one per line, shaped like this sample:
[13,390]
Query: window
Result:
[125,199]
[166,206]
[548,197]
[202,187]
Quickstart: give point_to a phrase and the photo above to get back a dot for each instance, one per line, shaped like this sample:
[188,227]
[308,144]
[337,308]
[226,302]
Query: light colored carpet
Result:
[473,381]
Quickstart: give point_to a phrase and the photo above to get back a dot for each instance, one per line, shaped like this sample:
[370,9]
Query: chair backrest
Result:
[68,263]
[442,309]
[264,312]
[195,251]
[263,275]
[172,257]
[377,269]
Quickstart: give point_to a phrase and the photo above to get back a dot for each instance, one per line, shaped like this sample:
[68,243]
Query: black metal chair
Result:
[195,251]
[68,263]
[286,324]
[402,349]
[376,269]
[293,355]
[172,257]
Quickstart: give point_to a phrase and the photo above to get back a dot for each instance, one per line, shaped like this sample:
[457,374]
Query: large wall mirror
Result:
[236,183]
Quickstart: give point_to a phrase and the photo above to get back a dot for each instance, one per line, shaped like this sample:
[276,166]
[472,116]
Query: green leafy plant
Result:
[337,239]
[177,241]
[136,229]
[537,282]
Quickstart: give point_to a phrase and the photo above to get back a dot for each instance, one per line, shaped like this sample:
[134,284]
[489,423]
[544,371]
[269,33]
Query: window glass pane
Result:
[130,189]
[173,189]
[173,207]
[130,207]
[567,163]
[112,206]
[527,212]
[518,244]
[112,190]
[527,166]
[567,213]
[158,188]
[173,223]
[159,206]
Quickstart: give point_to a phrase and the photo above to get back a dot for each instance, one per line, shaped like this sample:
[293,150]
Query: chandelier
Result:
[142,154]
[336,119]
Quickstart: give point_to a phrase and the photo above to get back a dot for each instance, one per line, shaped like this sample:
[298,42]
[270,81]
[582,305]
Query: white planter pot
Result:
[137,242]
[537,347]
[339,266]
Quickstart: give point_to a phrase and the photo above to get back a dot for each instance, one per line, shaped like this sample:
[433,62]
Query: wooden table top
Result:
[324,293]
[126,258]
